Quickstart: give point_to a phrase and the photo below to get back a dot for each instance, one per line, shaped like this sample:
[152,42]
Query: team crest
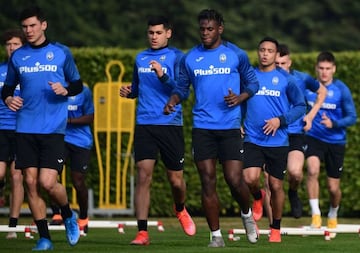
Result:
[222,58]
[275,80]
[330,93]
[162,58]
[50,56]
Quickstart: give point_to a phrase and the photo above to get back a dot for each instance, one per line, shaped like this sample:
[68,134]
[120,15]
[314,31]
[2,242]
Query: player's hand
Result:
[58,88]
[271,126]
[154,65]
[326,121]
[169,108]
[242,131]
[231,99]
[307,123]
[14,103]
[125,91]
[170,105]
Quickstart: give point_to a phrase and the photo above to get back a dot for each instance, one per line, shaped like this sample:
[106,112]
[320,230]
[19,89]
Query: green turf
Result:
[175,241]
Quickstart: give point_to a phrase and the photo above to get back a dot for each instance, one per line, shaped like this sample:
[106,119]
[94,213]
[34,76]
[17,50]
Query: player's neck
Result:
[43,44]
[267,68]
[326,83]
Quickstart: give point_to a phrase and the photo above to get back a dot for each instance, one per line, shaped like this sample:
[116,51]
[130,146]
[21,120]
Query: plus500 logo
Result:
[267,92]
[38,68]
[211,71]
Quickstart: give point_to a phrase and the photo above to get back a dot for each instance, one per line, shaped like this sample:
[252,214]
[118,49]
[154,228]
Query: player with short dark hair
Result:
[278,103]
[47,75]
[154,77]
[222,79]
[12,39]
[326,139]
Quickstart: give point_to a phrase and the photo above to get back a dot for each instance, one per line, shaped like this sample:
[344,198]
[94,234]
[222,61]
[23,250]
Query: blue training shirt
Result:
[7,116]
[278,96]
[304,82]
[43,111]
[339,107]
[80,105]
[152,92]
[212,72]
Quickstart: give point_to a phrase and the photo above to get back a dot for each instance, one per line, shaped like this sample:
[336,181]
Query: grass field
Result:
[173,240]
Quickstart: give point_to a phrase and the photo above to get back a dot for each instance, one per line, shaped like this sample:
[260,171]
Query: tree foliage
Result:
[305,25]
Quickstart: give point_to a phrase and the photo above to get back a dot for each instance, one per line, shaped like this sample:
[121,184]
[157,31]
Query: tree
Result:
[305,25]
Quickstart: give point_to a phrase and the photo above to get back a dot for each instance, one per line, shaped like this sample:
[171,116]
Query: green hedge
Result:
[91,63]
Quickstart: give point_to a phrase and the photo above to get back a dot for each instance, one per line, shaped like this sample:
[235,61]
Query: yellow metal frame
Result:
[114,120]
[114,117]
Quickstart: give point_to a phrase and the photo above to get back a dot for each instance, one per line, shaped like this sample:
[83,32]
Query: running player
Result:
[154,76]
[78,144]
[223,79]
[47,75]
[327,138]
[13,39]
[296,130]
[278,103]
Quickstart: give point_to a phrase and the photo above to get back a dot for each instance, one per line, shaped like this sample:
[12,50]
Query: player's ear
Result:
[221,29]
[168,33]
[43,25]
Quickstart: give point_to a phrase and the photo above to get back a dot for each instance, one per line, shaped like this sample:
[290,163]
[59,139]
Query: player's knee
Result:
[296,177]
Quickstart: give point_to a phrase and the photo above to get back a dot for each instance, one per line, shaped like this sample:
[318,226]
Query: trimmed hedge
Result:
[91,63]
